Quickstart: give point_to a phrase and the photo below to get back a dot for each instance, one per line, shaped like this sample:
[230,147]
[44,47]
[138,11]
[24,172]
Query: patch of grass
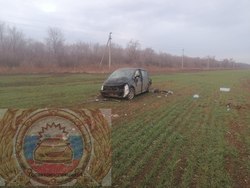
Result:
[22,91]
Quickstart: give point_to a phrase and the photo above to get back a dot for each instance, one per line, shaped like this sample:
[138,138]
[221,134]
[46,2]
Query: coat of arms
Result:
[56,147]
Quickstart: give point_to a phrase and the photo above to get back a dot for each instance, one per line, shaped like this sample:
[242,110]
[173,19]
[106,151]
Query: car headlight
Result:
[126,90]
[102,88]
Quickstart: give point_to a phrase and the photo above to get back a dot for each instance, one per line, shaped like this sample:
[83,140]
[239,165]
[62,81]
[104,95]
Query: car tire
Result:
[131,93]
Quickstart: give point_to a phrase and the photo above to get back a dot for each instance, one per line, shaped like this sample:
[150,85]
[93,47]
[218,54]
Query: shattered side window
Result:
[144,74]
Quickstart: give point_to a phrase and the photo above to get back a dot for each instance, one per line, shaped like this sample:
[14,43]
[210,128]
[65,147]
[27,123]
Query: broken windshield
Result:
[122,73]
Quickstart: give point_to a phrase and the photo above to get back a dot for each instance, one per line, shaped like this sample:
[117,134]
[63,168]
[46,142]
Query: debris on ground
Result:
[155,91]
[115,115]
[196,96]
[162,91]
[165,92]
[234,106]
[170,92]
[229,105]
[100,99]
[111,99]
[225,89]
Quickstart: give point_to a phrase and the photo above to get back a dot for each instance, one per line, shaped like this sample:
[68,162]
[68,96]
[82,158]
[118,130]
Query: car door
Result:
[138,81]
[145,80]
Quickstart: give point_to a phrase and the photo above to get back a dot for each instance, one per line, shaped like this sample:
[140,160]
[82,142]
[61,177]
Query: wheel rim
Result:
[131,93]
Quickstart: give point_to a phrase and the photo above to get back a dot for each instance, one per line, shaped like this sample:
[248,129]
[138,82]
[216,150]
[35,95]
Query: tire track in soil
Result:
[139,126]
[130,128]
[135,104]
[153,113]
[200,140]
[148,142]
[159,131]
[237,168]
[187,128]
[180,102]
[181,166]
[140,122]
[140,174]
[239,125]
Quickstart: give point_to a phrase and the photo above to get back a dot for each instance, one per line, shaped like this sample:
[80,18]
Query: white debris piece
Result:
[170,92]
[225,89]
[196,96]
[115,115]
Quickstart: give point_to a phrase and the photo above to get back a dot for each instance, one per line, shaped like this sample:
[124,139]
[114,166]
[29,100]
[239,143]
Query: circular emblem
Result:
[53,147]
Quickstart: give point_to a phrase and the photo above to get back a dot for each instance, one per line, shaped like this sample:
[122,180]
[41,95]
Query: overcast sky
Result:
[219,28]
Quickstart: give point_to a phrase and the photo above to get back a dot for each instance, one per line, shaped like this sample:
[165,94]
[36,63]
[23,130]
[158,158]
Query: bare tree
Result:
[2,29]
[36,53]
[148,56]
[118,55]
[16,39]
[55,43]
[133,52]
[12,46]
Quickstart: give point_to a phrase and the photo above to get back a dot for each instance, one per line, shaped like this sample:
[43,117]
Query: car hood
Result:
[116,81]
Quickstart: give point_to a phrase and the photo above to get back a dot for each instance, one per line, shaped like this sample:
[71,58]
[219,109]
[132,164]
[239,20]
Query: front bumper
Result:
[113,91]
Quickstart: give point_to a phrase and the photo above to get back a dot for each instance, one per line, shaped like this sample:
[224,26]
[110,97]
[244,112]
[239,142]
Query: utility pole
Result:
[182,60]
[208,62]
[108,45]
[233,62]
[110,49]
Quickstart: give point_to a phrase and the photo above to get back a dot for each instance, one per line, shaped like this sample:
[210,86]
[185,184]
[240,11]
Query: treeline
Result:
[17,50]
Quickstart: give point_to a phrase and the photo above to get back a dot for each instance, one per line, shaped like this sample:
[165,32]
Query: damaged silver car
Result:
[126,83]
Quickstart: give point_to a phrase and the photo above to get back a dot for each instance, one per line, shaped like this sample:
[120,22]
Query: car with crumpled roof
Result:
[126,83]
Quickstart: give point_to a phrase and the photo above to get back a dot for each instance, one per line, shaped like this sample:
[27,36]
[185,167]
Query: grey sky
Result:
[219,28]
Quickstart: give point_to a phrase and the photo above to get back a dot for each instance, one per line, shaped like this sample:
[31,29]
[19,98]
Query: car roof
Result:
[130,68]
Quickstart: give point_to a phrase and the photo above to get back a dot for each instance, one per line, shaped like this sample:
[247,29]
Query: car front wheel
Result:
[131,93]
